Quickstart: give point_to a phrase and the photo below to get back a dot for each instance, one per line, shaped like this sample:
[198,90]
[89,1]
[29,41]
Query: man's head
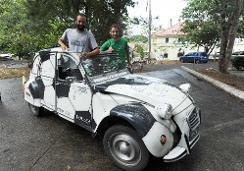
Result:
[80,22]
[114,31]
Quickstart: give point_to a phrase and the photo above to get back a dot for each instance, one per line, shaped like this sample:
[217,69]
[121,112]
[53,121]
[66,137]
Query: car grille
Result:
[194,121]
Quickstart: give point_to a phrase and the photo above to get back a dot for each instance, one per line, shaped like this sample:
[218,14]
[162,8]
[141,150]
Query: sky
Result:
[164,9]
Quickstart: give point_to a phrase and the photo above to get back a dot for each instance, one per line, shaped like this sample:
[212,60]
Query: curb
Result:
[227,88]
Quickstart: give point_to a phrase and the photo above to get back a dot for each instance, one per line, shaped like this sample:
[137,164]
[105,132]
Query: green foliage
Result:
[139,39]
[139,49]
[208,21]
[200,27]
[100,14]
[31,25]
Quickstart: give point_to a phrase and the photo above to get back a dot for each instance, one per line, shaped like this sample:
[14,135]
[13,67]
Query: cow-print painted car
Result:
[138,116]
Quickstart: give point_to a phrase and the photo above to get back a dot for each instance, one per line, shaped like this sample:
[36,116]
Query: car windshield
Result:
[102,64]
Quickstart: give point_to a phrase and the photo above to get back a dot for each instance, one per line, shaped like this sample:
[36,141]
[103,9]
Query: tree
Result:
[31,25]
[210,20]
[100,14]
[139,39]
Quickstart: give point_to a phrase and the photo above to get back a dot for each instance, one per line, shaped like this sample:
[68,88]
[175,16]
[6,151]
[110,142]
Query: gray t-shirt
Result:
[79,41]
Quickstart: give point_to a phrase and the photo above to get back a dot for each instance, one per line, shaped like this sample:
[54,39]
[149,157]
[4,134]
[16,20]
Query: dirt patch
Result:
[230,79]
[13,72]
[169,62]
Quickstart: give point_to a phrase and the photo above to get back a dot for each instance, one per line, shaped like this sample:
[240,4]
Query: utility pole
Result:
[150,28]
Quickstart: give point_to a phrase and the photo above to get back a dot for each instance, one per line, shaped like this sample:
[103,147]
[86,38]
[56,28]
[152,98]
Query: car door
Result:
[44,64]
[73,94]
[190,57]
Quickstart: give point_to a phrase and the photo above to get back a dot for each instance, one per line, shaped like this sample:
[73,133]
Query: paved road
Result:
[51,143]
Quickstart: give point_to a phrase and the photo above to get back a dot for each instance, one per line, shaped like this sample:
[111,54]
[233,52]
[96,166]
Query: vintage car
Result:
[137,116]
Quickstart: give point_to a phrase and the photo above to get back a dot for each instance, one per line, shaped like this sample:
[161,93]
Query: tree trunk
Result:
[228,36]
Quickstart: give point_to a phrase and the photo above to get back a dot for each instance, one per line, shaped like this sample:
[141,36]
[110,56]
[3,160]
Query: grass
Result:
[13,72]
[230,79]
[169,62]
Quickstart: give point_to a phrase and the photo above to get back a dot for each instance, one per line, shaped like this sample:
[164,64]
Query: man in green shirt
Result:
[117,44]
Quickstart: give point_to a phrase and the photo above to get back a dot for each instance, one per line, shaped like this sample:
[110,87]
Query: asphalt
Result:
[51,143]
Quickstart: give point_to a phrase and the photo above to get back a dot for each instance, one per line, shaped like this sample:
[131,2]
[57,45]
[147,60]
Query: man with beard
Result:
[117,44]
[79,39]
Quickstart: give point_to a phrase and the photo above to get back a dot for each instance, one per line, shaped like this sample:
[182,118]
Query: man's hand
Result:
[85,54]
[64,48]
[62,44]
[110,49]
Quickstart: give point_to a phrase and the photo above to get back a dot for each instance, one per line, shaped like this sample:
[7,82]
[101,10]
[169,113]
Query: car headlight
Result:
[164,111]
[185,87]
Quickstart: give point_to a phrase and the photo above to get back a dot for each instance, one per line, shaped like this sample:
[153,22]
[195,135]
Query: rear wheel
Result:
[181,60]
[197,62]
[36,111]
[125,148]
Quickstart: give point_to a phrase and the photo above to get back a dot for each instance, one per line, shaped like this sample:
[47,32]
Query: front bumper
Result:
[179,152]
[187,140]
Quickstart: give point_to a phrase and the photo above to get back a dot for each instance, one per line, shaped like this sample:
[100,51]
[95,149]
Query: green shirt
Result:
[120,47]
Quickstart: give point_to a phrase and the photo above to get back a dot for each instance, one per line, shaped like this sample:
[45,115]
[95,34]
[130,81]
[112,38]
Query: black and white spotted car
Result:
[138,116]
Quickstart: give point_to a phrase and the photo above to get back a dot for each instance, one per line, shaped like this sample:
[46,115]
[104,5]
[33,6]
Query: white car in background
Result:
[138,116]
[7,56]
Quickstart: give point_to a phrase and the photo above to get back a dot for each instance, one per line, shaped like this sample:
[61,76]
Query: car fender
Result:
[136,115]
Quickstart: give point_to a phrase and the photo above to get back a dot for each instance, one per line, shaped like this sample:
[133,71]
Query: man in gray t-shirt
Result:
[79,39]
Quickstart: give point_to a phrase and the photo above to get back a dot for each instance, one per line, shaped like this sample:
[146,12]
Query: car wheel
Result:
[36,111]
[181,60]
[197,62]
[238,68]
[125,148]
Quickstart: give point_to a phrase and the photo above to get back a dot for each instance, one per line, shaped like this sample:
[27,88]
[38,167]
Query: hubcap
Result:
[125,149]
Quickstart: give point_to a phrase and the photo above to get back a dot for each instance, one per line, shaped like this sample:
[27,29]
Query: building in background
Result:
[166,43]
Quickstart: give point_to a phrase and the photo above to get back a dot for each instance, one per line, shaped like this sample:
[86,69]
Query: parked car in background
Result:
[4,57]
[195,57]
[237,60]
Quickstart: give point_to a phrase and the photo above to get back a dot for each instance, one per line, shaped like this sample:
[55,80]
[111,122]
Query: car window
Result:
[203,54]
[67,67]
[235,53]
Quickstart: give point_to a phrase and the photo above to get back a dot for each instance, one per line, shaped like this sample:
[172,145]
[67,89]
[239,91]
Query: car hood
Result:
[150,90]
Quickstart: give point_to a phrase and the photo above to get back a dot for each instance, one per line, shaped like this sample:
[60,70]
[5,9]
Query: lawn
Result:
[13,72]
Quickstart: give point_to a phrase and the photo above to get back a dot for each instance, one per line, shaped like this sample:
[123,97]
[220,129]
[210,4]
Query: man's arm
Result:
[62,44]
[94,52]
[63,39]
[127,54]
[105,46]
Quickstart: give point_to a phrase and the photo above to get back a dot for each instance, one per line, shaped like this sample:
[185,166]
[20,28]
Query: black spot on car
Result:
[62,89]
[83,119]
[37,88]
[44,55]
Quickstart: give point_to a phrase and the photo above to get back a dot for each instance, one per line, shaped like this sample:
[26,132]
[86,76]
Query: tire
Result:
[181,60]
[133,156]
[197,62]
[36,111]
